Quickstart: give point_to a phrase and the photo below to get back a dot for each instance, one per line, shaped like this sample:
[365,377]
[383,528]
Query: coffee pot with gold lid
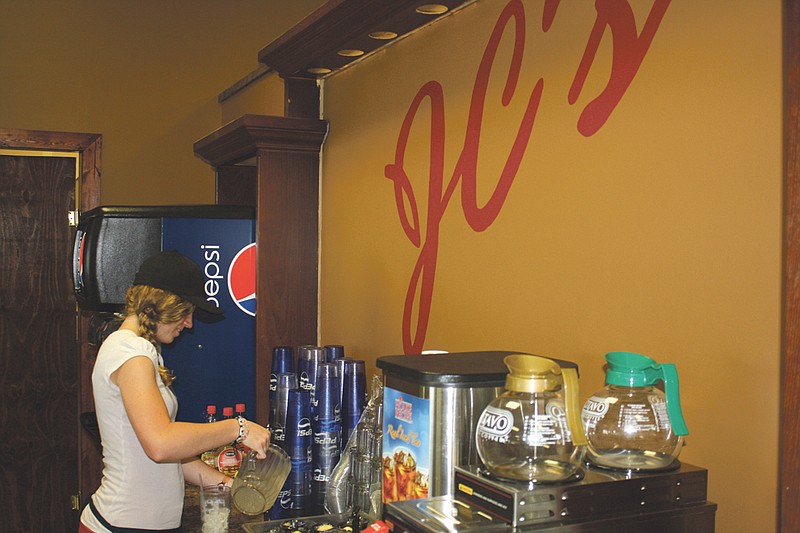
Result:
[533,432]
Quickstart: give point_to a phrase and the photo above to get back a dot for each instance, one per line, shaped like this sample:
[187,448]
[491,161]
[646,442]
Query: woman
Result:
[147,455]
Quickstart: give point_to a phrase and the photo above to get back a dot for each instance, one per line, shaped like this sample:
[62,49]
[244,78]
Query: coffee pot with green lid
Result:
[533,432]
[631,424]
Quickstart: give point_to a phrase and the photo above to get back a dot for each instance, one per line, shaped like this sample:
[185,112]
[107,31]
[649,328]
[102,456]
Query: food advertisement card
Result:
[406,446]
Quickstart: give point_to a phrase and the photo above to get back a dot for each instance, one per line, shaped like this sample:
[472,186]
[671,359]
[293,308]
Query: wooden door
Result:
[40,355]
[39,361]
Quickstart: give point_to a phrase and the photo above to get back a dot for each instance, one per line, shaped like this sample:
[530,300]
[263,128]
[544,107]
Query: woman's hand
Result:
[198,473]
[256,438]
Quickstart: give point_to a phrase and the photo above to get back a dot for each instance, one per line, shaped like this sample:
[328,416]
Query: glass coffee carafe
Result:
[631,424]
[533,432]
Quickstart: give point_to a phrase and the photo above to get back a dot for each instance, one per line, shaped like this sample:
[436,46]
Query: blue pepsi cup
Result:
[354,395]
[303,356]
[340,367]
[282,363]
[286,383]
[333,352]
[302,353]
[329,403]
[299,439]
[307,365]
[282,507]
[327,433]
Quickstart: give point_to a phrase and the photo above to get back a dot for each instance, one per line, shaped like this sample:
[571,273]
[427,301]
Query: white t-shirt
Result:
[135,491]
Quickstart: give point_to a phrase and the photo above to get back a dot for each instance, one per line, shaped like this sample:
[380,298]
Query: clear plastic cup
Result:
[215,508]
[259,481]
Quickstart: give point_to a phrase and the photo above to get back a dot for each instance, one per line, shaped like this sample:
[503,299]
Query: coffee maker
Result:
[434,480]
[432,404]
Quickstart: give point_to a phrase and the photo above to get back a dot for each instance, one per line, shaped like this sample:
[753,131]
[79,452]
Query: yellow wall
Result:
[146,75]
[660,233]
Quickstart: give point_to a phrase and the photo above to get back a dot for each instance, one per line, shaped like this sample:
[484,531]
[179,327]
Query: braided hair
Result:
[152,306]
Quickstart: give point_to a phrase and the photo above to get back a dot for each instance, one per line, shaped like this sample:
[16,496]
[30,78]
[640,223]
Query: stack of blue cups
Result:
[299,439]
[340,367]
[354,395]
[308,361]
[327,433]
[302,354]
[282,363]
[333,352]
[287,382]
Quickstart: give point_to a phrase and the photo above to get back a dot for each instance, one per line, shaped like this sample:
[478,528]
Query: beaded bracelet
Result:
[244,429]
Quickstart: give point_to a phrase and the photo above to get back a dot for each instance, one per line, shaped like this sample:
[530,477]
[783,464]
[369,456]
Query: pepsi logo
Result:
[304,428]
[242,279]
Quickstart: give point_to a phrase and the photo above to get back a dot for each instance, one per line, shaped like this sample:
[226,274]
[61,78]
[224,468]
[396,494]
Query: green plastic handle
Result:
[673,393]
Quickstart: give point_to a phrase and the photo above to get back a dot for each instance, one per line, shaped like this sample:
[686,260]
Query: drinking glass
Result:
[215,508]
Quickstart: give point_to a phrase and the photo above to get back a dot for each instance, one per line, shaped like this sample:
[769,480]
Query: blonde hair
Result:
[153,306]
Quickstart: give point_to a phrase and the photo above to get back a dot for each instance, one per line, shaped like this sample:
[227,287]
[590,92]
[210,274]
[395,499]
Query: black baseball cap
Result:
[176,273]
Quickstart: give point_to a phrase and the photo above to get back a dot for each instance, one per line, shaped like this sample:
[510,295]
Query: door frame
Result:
[89,146]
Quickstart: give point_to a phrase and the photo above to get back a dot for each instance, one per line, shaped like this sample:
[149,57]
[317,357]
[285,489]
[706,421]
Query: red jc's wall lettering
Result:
[629,51]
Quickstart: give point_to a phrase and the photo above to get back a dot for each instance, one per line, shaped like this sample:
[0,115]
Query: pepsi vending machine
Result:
[214,362]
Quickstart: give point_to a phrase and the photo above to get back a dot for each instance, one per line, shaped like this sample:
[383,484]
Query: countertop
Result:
[191,516]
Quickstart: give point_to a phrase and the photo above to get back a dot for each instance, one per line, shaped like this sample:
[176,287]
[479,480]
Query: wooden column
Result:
[789,477]
[286,152]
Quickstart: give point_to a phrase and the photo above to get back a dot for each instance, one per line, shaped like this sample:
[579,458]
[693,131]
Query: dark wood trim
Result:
[301,98]
[789,497]
[288,259]
[89,144]
[243,138]
[46,140]
[286,151]
[237,185]
[343,25]
[243,83]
